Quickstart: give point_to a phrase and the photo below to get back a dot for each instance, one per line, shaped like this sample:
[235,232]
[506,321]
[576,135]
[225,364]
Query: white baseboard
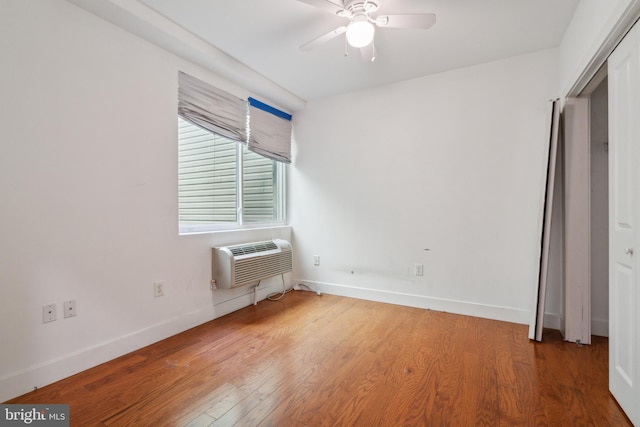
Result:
[505,314]
[19,383]
[552,321]
[600,327]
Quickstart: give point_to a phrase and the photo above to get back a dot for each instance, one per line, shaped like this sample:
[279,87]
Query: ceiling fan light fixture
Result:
[360,31]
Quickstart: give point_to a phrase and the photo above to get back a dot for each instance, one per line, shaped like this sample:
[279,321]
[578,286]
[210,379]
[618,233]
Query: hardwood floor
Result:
[332,361]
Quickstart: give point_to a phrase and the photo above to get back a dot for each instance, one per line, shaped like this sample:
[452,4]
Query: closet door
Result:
[624,213]
[577,219]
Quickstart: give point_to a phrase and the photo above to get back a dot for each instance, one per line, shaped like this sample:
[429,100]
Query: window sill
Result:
[235,228]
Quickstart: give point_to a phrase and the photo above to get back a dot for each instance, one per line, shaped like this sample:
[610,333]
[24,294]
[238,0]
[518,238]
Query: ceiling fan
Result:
[360,30]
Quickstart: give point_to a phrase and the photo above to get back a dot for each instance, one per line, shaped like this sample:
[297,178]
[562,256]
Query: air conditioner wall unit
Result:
[249,263]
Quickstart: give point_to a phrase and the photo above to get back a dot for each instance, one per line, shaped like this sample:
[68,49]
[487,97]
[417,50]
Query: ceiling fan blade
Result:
[424,21]
[328,6]
[323,38]
[368,52]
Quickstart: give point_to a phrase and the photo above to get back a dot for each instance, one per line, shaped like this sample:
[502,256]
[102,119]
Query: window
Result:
[221,182]
[213,171]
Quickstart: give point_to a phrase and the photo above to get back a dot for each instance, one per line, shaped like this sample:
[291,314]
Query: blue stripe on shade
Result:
[269,109]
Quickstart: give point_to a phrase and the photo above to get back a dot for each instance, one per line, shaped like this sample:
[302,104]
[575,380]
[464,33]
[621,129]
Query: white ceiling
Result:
[266,35]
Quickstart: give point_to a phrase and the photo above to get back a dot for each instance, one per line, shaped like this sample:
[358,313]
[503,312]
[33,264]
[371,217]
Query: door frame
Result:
[602,52]
[585,84]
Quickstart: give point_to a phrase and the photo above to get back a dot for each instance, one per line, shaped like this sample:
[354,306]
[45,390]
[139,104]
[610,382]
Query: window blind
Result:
[270,131]
[221,181]
[208,180]
[259,188]
[211,108]
[207,176]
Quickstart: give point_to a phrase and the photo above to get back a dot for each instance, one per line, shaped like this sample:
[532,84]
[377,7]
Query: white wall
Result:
[88,188]
[453,163]
[88,184]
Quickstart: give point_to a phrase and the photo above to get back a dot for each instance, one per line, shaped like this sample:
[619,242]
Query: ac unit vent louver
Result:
[252,248]
[248,263]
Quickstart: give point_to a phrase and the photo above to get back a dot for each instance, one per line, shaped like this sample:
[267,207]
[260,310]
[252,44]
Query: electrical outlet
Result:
[70,308]
[419,269]
[316,260]
[158,288]
[49,313]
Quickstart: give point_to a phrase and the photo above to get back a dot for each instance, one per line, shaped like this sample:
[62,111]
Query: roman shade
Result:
[210,108]
[270,131]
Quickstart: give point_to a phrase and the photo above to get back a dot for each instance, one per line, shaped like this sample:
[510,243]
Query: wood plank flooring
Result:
[332,361]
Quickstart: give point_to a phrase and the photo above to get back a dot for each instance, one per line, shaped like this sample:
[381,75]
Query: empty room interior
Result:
[248,209]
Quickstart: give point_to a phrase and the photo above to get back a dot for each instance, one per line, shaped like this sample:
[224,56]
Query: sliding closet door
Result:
[624,213]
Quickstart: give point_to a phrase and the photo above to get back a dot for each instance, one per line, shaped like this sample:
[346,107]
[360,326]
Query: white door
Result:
[537,313]
[577,218]
[624,212]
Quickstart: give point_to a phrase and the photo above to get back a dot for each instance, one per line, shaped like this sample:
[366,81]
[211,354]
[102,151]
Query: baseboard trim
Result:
[552,321]
[600,327]
[28,379]
[486,311]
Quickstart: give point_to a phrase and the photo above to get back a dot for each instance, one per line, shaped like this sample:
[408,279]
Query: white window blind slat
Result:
[207,171]
[207,180]
[260,203]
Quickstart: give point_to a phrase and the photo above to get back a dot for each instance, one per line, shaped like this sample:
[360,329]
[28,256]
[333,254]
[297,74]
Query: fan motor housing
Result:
[354,6]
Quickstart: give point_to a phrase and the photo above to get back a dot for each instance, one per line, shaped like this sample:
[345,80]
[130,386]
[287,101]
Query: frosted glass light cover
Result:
[360,33]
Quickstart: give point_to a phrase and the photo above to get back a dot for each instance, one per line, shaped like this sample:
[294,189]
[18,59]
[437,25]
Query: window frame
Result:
[280,200]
